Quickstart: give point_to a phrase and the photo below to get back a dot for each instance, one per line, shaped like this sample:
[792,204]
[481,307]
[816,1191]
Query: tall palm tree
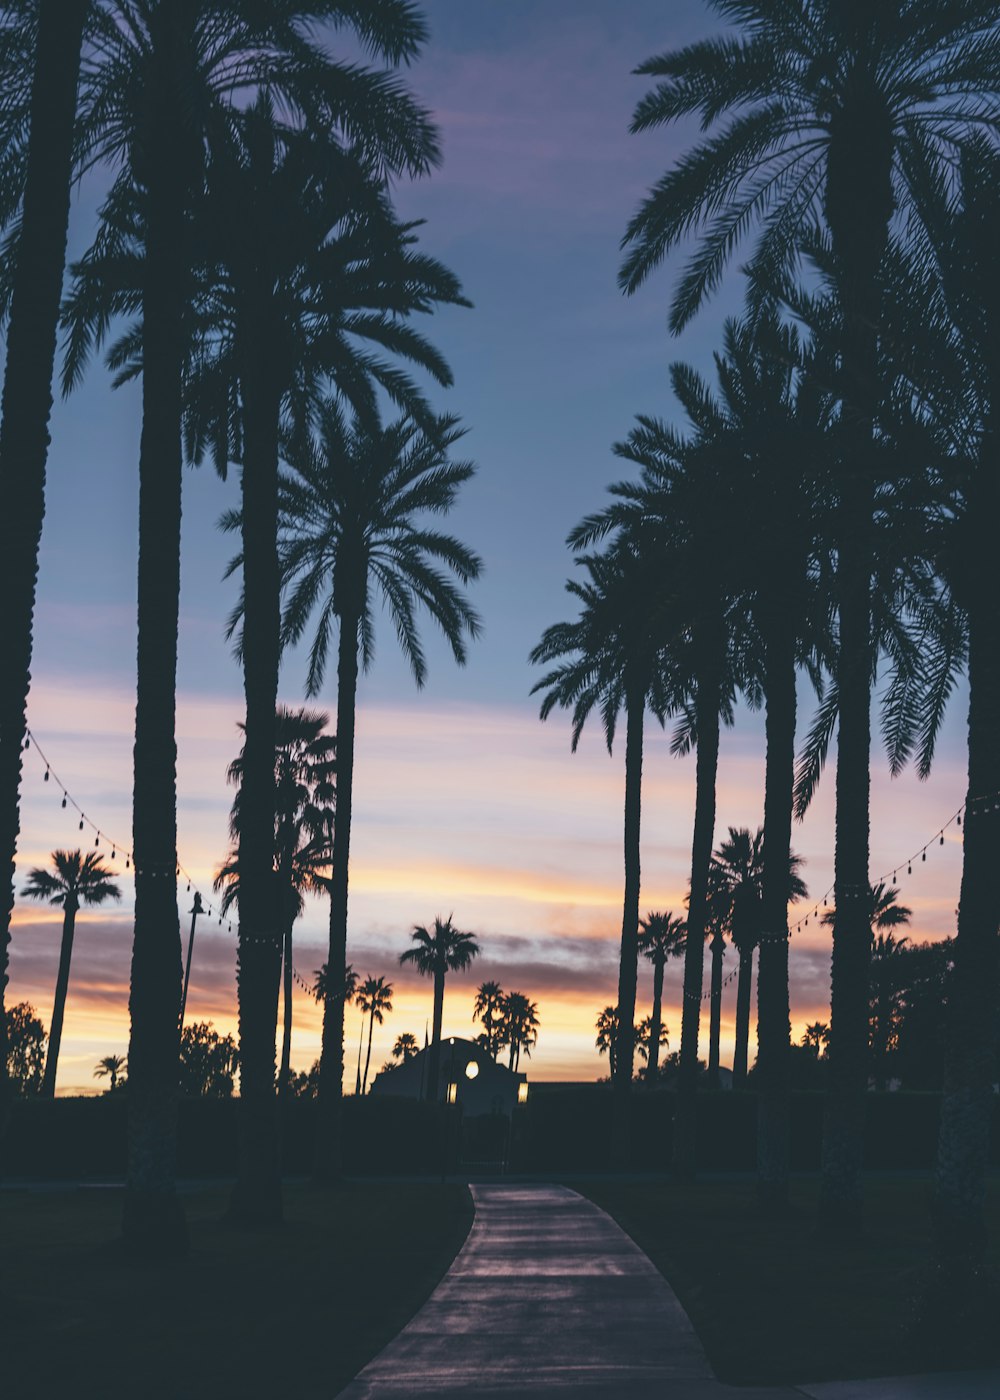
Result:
[612,657]
[434,954]
[27,389]
[606,1026]
[304,766]
[519,1026]
[351,980]
[488,1008]
[686,506]
[946,335]
[828,108]
[737,887]
[661,937]
[74,880]
[353,527]
[375,1000]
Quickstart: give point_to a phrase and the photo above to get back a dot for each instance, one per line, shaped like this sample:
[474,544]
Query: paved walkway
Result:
[548,1296]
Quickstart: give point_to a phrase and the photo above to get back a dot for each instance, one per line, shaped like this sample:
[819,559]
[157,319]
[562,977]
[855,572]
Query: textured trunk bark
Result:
[329,1139]
[971,1048]
[656,1022]
[153,1221]
[27,404]
[434,1058]
[256,1198]
[59,1001]
[627,964]
[718,950]
[707,705]
[774,1033]
[859,206]
[744,984]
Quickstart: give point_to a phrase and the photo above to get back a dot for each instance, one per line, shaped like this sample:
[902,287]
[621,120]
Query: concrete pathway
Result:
[548,1296]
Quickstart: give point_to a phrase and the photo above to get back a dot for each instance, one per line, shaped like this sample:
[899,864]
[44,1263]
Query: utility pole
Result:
[197,909]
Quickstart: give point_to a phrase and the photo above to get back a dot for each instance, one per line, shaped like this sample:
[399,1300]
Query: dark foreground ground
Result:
[289,1313]
[782,1301]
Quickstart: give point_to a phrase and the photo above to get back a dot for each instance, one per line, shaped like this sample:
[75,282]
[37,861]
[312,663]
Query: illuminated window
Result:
[452,1094]
[471,1070]
[522,1093]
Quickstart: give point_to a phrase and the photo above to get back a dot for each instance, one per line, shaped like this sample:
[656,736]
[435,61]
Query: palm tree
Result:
[661,937]
[488,1008]
[351,527]
[737,886]
[113,1067]
[160,86]
[74,880]
[887,991]
[816,1037]
[607,1037]
[435,954]
[830,108]
[27,389]
[883,911]
[304,766]
[612,657]
[518,1026]
[649,1046]
[375,1000]
[405,1047]
[351,980]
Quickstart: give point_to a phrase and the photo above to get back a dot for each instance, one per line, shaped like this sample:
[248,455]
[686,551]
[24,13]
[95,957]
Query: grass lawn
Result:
[291,1312]
[782,1301]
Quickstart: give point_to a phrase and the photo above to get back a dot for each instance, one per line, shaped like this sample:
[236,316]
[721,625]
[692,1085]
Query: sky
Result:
[464,803]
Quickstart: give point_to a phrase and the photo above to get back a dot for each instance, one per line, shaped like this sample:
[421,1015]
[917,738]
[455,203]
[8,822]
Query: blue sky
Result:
[464,801]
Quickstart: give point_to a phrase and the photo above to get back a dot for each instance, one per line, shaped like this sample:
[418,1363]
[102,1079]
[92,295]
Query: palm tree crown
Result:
[443,949]
[78,879]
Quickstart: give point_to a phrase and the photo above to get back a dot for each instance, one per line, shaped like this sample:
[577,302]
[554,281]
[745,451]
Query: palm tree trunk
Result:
[743,999]
[707,705]
[27,404]
[774,1032]
[59,1001]
[434,1057]
[655,1023]
[368,1057]
[256,1196]
[284,1073]
[153,1221]
[859,204]
[329,1138]
[627,963]
[718,950]
[970,1061]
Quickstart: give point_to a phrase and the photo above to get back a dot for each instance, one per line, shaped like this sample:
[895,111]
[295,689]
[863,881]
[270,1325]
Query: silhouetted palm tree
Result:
[113,1067]
[488,1008]
[519,1026]
[351,528]
[607,1037]
[816,1037]
[883,911]
[304,767]
[612,657]
[434,954]
[830,108]
[737,883]
[661,937]
[375,1000]
[76,879]
[27,390]
[351,980]
[405,1047]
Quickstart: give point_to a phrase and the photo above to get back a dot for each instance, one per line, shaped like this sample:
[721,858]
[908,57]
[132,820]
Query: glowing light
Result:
[522,1093]
[452,1093]
[471,1070]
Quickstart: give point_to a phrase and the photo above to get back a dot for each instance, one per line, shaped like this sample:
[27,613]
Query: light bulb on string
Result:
[941,842]
[46,775]
[958,819]
[64,802]
[81,823]
[909,869]
[97,839]
[923,855]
